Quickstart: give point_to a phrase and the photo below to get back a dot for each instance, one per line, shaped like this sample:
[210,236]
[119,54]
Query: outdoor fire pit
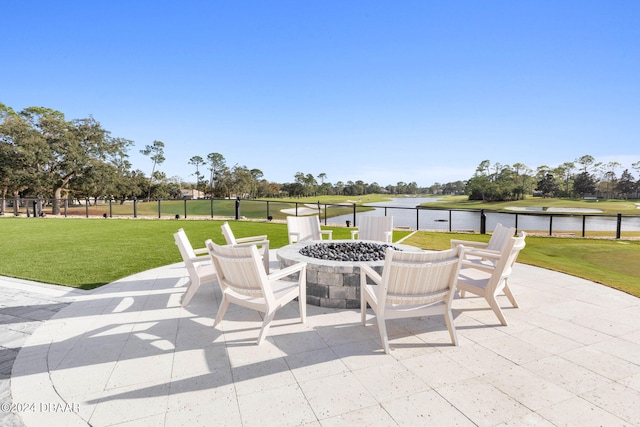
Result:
[347,251]
[333,268]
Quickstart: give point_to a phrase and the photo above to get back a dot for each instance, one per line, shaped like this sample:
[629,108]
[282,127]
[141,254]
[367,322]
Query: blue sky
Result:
[379,91]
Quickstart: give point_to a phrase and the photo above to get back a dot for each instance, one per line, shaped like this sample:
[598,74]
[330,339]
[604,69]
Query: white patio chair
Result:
[302,228]
[260,241]
[474,251]
[498,238]
[488,280]
[200,268]
[379,228]
[244,281]
[412,284]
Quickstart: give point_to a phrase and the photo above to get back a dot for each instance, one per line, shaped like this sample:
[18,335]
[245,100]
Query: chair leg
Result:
[382,328]
[266,323]
[265,260]
[224,304]
[302,306]
[509,294]
[448,318]
[192,287]
[491,299]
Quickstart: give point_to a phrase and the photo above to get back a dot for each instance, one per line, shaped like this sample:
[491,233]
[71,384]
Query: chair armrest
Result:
[201,251]
[251,239]
[371,273]
[483,253]
[468,243]
[482,267]
[353,234]
[287,271]
[388,236]
[256,243]
[200,259]
[329,233]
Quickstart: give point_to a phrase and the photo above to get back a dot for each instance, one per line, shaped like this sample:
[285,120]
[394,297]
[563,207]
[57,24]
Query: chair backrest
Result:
[411,278]
[240,268]
[307,227]
[504,265]
[375,227]
[228,234]
[184,246]
[499,237]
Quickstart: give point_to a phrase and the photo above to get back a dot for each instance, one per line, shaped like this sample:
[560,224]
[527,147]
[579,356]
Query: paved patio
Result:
[128,354]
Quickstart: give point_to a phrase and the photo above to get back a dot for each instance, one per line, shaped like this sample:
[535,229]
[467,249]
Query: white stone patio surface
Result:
[128,354]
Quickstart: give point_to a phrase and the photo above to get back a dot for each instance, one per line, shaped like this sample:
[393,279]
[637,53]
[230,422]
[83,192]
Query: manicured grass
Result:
[189,208]
[251,209]
[87,253]
[364,199]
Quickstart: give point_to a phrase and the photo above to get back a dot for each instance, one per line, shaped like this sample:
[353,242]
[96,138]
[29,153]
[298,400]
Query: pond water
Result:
[405,214]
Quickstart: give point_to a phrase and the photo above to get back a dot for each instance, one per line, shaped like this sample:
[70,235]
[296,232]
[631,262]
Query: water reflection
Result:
[405,214]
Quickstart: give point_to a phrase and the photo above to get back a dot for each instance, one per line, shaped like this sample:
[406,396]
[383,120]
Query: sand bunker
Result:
[310,209]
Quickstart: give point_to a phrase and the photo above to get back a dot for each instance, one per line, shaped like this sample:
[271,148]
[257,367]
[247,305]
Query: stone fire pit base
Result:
[333,284]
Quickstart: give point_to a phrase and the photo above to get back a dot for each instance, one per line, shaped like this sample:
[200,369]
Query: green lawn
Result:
[87,253]
[167,209]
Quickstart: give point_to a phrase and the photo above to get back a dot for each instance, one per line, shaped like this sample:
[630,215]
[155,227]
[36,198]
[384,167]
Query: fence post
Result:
[135,207]
[550,225]
[212,206]
[483,222]
[619,225]
[237,207]
[185,208]
[450,221]
[86,207]
[320,214]
[354,215]
[584,225]
[159,209]
[110,207]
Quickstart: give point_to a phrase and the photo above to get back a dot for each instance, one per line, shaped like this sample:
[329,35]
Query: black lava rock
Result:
[347,251]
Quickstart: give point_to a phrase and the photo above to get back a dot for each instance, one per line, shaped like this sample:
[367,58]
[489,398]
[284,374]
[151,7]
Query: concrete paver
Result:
[24,306]
[128,353]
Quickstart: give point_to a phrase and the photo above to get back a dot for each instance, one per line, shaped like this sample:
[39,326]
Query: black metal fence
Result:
[414,218]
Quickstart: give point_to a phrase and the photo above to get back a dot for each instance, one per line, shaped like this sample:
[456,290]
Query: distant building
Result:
[192,194]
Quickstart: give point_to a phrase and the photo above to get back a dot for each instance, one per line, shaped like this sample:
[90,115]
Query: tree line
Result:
[43,155]
[584,177]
